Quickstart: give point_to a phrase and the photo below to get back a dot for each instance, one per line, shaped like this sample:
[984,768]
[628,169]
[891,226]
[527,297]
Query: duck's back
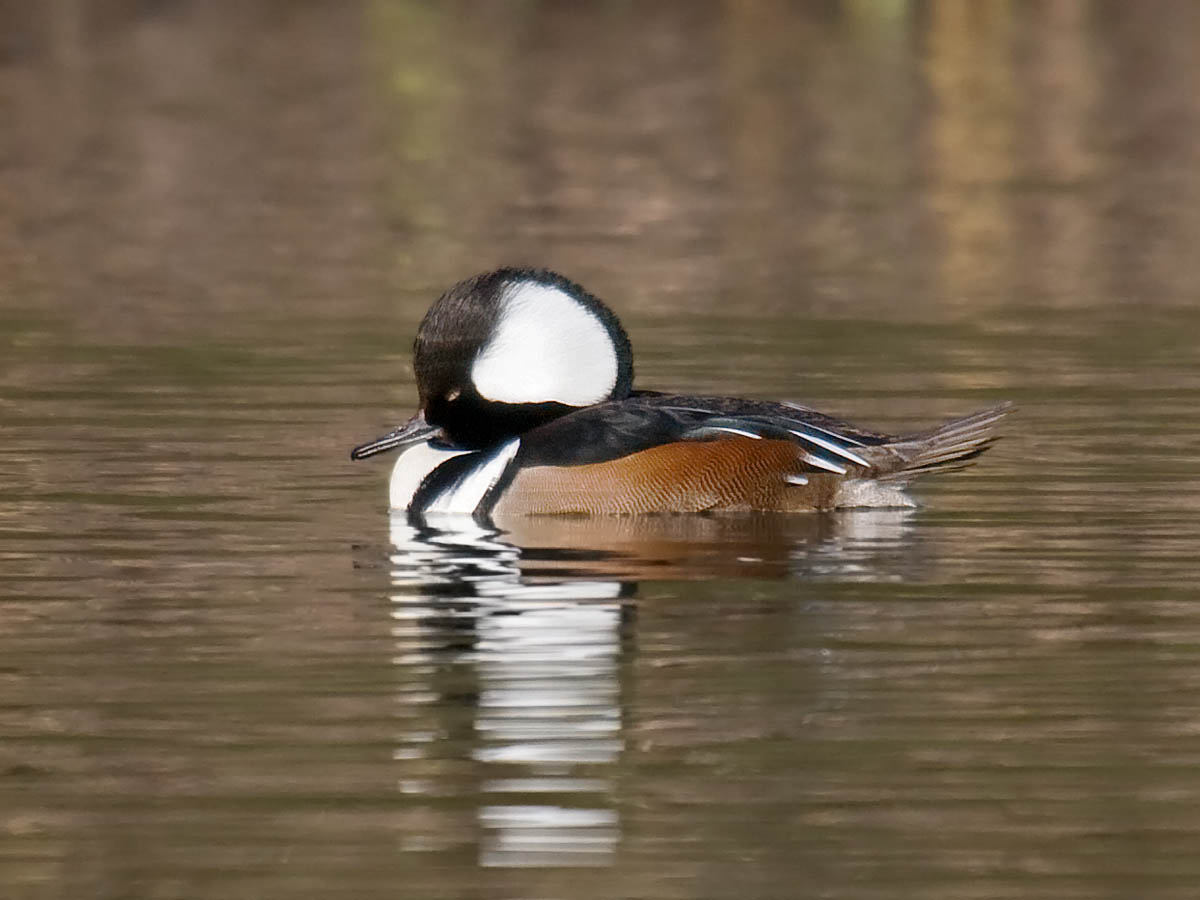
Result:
[655,453]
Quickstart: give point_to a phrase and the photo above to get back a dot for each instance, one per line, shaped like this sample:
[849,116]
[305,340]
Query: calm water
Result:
[224,672]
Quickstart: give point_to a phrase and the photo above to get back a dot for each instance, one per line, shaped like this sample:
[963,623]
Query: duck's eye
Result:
[453,394]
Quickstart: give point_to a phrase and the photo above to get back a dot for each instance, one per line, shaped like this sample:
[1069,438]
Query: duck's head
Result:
[506,351]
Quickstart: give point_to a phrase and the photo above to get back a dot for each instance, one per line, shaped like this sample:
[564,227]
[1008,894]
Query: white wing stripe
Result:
[831,447]
[737,431]
[825,464]
[846,439]
[704,431]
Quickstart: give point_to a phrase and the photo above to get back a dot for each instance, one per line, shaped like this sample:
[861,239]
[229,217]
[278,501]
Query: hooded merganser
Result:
[527,407]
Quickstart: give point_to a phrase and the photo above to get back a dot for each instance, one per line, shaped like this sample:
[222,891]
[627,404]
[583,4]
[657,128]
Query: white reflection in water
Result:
[545,711]
[508,659]
[549,704]
[854,551]
[467,552]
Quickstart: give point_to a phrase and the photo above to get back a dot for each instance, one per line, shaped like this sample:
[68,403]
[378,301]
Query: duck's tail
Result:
[946,447]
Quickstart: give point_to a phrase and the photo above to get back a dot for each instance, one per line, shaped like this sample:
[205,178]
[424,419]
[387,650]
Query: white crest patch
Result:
[411,468]
[547,346]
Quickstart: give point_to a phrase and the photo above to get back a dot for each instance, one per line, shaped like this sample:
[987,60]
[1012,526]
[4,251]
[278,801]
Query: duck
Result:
[526,407]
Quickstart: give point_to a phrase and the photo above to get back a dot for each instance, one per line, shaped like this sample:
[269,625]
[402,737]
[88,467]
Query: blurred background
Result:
[317,159]
[223,674]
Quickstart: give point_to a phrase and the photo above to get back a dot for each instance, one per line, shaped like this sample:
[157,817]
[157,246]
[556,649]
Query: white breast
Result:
[411,468]
[461,497]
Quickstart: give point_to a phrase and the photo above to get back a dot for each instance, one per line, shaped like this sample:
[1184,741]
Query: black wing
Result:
[646,419]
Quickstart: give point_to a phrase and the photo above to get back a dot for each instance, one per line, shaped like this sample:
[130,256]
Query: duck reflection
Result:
[857,544]
[510,644]
[533,666]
